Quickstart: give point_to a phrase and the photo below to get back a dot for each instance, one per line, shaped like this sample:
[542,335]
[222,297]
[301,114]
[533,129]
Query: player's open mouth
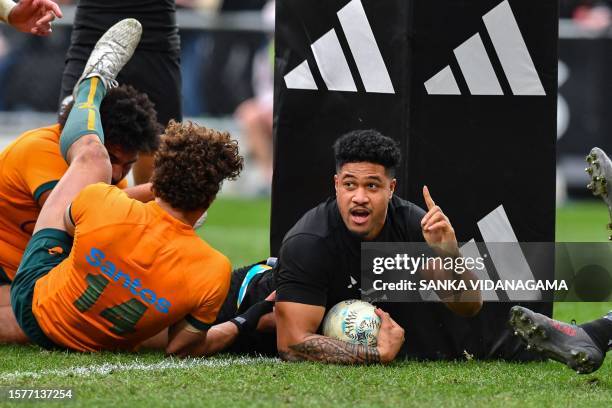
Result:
[359,215]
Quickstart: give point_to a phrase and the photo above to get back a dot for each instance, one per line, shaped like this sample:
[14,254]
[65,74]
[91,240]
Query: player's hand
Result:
[390,337]
[34,16]
[437,229]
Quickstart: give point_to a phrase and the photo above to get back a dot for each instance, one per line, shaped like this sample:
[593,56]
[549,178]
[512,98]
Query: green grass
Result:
[582,221]
[240,229]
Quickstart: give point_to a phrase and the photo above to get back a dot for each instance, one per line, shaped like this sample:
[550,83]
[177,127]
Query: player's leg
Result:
[89,163]
[82,139]
[600,170]
[10,332]
[582,347]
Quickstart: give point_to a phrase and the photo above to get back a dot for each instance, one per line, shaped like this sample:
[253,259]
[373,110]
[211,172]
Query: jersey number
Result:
[124,316]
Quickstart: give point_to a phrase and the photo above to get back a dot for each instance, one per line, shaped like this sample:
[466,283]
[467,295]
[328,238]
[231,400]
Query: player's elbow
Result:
[287,354]
[286,347]
[92,152]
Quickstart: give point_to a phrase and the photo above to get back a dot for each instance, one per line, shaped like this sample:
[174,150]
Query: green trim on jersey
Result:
[40,190]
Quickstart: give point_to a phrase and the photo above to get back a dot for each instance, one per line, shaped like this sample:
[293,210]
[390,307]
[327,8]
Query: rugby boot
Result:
[568,344]
[112,51]
[600,171]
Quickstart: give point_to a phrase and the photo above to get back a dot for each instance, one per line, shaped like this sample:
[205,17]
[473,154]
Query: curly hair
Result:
[367,146]
[191,163]
[129,120]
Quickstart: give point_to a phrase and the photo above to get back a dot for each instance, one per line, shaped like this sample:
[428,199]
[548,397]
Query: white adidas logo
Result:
[508,260]
[476,66]
[332,62]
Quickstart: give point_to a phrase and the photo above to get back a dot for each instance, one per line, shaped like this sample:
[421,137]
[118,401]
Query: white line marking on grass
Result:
[111,368]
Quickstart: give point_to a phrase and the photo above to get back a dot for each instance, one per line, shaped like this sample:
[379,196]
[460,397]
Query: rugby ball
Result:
[353,321]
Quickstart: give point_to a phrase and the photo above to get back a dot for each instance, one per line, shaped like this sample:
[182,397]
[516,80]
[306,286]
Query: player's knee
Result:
[93,153]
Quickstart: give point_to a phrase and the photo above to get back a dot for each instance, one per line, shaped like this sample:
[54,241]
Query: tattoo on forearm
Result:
[328,350]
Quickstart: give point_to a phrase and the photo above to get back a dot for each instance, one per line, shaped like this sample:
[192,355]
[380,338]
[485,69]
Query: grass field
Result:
[239,228]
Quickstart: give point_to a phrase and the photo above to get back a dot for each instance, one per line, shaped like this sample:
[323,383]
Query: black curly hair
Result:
[129,120]
[367,146]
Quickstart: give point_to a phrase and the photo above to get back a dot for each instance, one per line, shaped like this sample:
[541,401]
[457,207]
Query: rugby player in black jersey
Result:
[319,260]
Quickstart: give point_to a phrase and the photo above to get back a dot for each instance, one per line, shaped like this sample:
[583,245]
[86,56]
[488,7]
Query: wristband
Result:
[247,322]
[5,9]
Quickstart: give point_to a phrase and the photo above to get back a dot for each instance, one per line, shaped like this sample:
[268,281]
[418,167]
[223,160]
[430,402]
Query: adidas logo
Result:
[332,62]
[508,261]
[476,66]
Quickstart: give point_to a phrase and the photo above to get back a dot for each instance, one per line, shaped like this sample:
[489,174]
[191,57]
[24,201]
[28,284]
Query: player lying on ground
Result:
[319,259]
[32,165]
[30,16]
[245,324]
[133,268]
[582,348]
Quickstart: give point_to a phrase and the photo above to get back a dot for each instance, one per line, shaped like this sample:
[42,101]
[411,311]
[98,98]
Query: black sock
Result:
[600,331]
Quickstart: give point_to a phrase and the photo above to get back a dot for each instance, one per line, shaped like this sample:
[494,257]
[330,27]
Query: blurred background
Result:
[226,65]
[227,69]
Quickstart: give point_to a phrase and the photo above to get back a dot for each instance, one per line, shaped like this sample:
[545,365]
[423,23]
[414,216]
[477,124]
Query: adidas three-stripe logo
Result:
[332,62]
[476,66]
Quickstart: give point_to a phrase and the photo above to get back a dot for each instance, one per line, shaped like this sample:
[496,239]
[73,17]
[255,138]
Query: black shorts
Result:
[158,74]
[248,286]
[47,249]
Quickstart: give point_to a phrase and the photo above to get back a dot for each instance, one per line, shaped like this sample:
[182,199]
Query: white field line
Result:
[111,368]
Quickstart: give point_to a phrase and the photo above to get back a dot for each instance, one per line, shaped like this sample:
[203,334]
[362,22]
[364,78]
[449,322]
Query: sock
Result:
[600,331]
[84,118]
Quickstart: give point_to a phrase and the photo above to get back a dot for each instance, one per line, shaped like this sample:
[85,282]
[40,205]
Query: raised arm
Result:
[297,340]
[440,235]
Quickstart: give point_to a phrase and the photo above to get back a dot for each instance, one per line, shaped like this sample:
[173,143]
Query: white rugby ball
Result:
[353,321]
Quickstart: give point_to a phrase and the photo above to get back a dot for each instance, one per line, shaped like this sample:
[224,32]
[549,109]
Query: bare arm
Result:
[440,235]
[141,192]
[183,339]
[296,339]
[223,335]
[218,338]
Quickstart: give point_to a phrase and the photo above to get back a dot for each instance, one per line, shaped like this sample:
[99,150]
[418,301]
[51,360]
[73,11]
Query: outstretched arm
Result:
[30,16]
[223,335]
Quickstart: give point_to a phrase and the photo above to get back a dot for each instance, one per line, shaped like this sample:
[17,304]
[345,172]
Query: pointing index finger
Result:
[428,200]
